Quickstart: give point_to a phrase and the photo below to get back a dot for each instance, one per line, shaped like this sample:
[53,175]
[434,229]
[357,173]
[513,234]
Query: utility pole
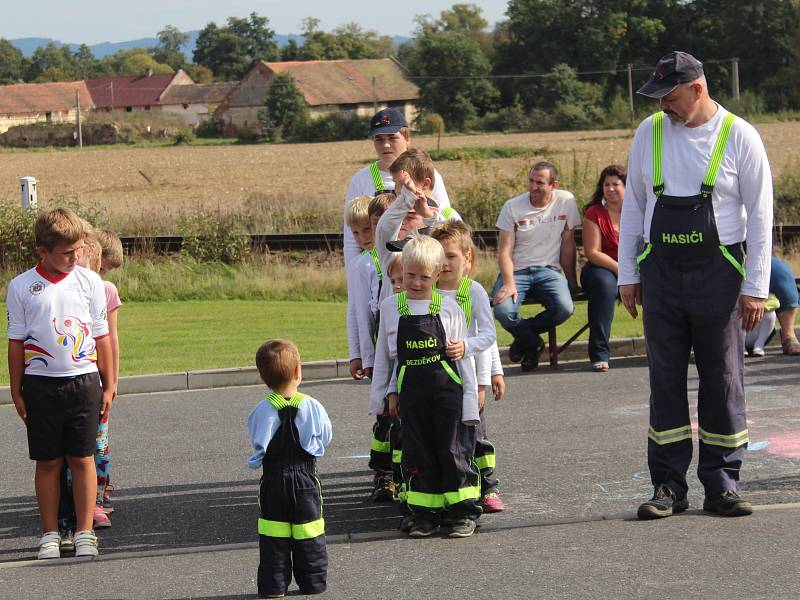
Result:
[630,92]
[374,97]
[78,106]
[735,78]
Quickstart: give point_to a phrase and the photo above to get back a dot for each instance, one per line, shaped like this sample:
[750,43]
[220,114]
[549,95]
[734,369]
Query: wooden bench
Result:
[553,348]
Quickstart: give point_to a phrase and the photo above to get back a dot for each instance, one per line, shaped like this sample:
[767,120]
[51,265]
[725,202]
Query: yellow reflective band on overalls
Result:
[425,500]
[726,441]
[379,446]
[670,436]
[375,171]
[282,529]
[433,309]
[487,461]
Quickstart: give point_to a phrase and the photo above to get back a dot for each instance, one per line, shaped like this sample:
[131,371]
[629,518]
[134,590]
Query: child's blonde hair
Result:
[357,214]
[58,226]
[90,236]
[276,361]
[459,232]
[395,262]
[424,251]
[379,204]
[112,248]
[416,163]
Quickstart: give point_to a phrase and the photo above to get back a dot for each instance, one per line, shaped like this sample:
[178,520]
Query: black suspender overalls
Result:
[690,286]
[291,528]
[438,448]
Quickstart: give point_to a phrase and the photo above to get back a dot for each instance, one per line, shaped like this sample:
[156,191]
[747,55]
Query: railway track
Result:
[332,241]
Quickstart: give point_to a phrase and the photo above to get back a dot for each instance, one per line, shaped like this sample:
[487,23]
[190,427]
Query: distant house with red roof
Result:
[134,93]
[27,103]
[327,85]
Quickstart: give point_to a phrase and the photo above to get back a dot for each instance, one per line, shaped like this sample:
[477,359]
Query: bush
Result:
[333,127]
[787,195]
[184,136]
[214,237]
[17,242]
[208,128]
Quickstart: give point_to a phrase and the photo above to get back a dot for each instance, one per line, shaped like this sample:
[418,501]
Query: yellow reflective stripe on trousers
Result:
[732,259]
[487,461]
[306,531]
[726,441]
[379,446]
[453,375]
[276,529]
[466,493]
[670,436]
[424,500]
[397,456]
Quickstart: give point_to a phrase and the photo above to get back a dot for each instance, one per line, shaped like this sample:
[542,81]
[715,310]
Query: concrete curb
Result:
[312,371]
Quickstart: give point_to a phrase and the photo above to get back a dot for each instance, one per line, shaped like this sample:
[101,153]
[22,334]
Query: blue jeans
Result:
[781,283]
[545,285]
[601,286]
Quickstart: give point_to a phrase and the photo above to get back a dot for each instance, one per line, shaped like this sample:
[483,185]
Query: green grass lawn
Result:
[161,337]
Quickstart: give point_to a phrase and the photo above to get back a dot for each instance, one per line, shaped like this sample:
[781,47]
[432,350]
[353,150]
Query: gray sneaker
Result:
[463,528]
[86,544]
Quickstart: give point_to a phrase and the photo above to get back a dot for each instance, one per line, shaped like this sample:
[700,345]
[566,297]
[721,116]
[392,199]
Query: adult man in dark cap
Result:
[699,186]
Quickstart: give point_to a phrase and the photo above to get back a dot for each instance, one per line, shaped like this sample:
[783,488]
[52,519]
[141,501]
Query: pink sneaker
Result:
[101,519]
[492,503]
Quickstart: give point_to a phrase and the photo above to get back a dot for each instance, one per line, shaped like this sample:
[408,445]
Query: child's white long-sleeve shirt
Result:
[386,353]
[366,284]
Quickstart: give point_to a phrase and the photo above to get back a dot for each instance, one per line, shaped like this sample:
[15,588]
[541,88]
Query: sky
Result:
[92,22]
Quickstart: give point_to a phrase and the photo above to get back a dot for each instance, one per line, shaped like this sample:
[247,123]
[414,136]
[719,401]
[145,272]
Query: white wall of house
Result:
[8,121]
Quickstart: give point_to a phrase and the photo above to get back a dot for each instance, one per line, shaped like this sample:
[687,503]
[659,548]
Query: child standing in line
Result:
[288,431]
[366,286]
[357,218]
[58,354]
[111,257]
[459,251]
[436,398]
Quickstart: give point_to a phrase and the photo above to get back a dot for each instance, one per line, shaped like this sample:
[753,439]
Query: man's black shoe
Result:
[727,504]
[516,351]
[664,503]
[531,359]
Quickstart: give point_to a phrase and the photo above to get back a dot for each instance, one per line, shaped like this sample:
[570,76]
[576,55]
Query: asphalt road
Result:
[571,459]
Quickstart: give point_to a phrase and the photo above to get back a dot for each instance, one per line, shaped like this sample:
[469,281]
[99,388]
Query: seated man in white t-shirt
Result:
[536,242]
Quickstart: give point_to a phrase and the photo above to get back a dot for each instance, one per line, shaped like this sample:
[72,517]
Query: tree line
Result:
[550,64]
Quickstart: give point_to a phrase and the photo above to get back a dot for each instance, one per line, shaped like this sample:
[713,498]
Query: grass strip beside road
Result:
[163,337]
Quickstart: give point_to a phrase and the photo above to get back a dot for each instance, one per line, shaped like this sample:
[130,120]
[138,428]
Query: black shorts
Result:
[63,413]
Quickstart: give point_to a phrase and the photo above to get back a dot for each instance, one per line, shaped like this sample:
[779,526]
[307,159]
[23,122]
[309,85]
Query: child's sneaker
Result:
[108,506]
[492,503]
[100,518]
[384,489]
[423,527]
[67,540]
[49,546]
[407,523]
[86,544]
[463,528]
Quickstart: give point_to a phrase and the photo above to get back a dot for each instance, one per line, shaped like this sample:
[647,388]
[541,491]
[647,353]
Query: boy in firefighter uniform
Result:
[288,430]
[435,398]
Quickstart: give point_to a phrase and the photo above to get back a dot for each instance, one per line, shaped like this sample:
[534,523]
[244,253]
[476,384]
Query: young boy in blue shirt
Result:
[288,430]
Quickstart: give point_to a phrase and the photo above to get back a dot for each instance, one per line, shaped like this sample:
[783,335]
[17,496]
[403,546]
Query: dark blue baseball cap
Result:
[672,70]
[387,121]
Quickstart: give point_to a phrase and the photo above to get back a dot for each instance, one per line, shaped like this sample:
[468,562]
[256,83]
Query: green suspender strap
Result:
[376,261]
[463,298]
[375,171]
[448,212]
[279,402]
[658,147]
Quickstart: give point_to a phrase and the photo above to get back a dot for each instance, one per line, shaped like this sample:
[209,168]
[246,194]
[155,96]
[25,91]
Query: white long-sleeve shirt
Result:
[742,197]
[365,288]
[389,225]
[386,353]
[481,332]
[362,185]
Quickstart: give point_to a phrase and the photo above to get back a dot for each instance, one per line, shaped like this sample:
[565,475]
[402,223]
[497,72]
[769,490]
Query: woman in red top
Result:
[599,274]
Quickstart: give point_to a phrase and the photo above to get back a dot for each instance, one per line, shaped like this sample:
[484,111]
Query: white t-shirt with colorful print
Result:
[57,318]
